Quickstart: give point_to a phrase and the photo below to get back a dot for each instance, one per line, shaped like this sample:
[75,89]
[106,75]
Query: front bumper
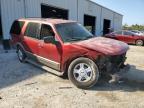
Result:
[113,66]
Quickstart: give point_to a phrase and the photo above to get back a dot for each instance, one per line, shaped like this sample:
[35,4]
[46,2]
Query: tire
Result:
[21,54]
[83,73]
[139,42]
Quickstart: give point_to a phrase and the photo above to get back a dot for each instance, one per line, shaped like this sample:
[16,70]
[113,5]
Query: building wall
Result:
[117,22]
[10,10]
[34,7]
[107,14]
[101,13]
[13,9]
[89,8]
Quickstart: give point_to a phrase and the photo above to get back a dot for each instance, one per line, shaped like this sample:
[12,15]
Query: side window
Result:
[46,30]
[16,27]
[127,33]
[32,30]
[119,33]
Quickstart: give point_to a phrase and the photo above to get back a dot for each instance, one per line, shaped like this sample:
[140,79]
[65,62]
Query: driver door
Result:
[128,37]
[49,53]
[118,36]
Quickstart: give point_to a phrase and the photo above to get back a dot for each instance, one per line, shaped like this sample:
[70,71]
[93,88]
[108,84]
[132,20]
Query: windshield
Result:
[73,32]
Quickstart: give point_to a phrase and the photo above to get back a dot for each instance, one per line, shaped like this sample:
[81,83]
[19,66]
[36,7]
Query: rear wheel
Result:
[21,54]
[139,42]
[83,73]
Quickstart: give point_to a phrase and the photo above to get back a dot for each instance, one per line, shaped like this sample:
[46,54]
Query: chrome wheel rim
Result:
[20,54]
[139,42]
[82,72]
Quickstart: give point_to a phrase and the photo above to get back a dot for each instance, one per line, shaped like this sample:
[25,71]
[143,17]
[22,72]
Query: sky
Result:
[133,10]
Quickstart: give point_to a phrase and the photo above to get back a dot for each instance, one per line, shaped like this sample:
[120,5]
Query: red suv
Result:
[127,36]
[63,46]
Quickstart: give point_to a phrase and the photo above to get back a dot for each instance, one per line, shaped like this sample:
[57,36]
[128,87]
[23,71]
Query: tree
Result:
[133,27]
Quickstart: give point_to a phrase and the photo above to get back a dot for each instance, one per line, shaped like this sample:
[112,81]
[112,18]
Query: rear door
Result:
[118,35]
[31,39]
[50,54]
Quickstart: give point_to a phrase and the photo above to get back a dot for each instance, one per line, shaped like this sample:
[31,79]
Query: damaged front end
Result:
[113,66]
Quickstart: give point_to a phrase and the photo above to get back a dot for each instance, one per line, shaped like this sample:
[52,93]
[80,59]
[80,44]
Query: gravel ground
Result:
[26,86]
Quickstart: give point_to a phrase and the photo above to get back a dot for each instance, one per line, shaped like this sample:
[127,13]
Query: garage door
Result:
[89,23]
[53,12]
[106,26]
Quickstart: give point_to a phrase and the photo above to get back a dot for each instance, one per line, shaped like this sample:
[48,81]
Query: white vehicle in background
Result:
[137,32]
[142,32]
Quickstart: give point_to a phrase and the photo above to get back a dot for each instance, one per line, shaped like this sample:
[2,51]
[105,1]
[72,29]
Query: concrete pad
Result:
[23,85]
[135,74]
[6,51]
[135,57]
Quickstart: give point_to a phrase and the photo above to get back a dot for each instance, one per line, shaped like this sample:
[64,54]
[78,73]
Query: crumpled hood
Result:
[104,45]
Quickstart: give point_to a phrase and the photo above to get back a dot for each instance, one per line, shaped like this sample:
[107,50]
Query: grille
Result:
[117,59]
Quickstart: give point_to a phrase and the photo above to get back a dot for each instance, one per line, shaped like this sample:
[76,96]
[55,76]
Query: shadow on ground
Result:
[126,86]
[135,45]
[13,72]
[133,81]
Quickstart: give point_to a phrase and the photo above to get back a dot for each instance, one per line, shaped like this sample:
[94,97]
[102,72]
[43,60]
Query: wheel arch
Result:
[139,39]
[70,60]
[20,45]
[94,70]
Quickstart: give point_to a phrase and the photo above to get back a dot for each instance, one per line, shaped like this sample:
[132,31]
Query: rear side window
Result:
[16,27]
[32,30]
[127,33]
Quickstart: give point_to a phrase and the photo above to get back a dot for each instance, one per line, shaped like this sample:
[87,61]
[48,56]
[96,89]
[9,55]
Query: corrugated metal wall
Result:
[107,14]
[89,8]
[117,22]
[13,9]
[101,13]
[33,7]
[10,10]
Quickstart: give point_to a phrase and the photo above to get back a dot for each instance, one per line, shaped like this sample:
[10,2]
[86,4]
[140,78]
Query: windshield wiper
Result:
[78,39]
[74,39]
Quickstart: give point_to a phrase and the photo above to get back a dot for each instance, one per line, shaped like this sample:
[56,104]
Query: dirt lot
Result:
[26,86]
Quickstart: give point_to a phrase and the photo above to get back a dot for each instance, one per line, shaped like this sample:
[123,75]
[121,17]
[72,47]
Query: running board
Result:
[50,70]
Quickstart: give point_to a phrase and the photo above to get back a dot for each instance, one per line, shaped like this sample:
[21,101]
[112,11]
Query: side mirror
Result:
[49,39]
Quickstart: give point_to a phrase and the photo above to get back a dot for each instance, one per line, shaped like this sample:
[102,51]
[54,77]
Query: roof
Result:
[48,20]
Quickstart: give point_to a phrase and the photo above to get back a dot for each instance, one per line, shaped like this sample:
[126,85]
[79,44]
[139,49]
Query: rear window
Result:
[32,30]
[16,27]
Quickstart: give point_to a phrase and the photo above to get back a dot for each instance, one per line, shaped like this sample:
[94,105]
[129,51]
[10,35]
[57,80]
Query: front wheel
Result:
[83,73]
[139,42]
